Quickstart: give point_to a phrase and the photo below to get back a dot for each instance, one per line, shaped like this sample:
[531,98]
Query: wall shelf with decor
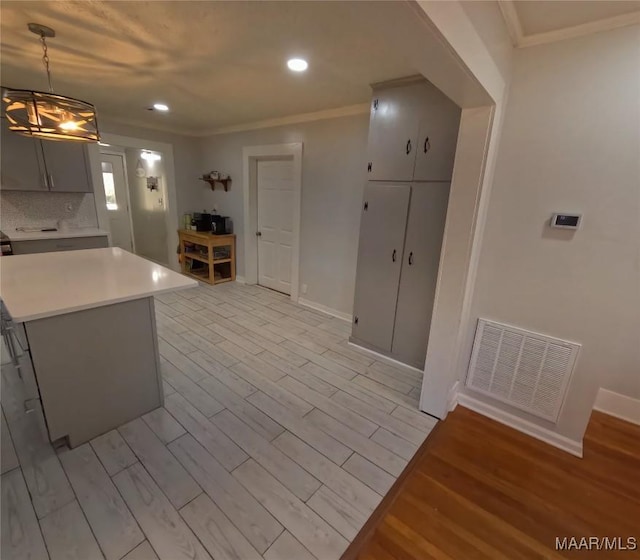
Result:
[212,182]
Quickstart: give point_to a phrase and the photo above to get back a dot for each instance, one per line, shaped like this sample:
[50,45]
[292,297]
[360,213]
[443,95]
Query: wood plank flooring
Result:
[478,489]
[277,441]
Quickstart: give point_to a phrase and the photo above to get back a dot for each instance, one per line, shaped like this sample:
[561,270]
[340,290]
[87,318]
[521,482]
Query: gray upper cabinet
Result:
[435,152]
[382,230]
[29,164]
[393,134]
[67,166]
[22,165]
[422,246]
[413,131]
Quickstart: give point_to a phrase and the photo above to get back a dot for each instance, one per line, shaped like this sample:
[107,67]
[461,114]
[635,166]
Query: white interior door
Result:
[275,223]
[116,193]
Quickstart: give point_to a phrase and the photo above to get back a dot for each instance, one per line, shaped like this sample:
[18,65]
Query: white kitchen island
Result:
[87,320]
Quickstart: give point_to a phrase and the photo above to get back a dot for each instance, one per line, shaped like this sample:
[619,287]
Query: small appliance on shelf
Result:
[221,225]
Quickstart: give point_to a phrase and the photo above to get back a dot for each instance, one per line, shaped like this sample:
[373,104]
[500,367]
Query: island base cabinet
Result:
[96,369]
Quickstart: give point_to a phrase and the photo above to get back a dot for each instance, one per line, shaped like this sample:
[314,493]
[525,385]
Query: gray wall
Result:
[570,143]
[186,156]
[333,177]
[147,211]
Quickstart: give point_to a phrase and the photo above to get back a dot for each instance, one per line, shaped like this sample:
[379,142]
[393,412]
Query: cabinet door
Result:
[31,246]
[425,228]
[393,133]
[67,166]
[22,165]
[437,139]
[382,229]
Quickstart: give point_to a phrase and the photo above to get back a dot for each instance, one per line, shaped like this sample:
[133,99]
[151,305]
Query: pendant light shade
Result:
[48,115]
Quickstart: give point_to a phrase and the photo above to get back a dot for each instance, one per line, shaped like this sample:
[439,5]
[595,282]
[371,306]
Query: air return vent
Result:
[527,370]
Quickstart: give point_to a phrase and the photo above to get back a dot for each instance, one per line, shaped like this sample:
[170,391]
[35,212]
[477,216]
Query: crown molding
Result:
[135,123]
[349,110]
[521,40]
[580,30]
[510,15]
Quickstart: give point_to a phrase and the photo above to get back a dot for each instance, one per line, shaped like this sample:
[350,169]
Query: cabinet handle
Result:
[28,408]
[45,181]
[52,185]
[410,258]
[393,256]
[427,145]
[369,167]
[409,146]
[355,320]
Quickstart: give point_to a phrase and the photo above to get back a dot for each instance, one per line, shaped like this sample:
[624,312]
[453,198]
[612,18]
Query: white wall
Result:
[333,178]
[570,142]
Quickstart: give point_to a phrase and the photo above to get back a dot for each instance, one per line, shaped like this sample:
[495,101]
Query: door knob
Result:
[259,233]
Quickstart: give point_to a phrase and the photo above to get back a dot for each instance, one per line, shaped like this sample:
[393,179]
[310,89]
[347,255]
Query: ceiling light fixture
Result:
[160,107]
[45,114]
[150,156]
[297,64]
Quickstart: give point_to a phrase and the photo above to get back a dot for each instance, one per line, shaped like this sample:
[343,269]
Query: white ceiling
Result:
[542,16]
[214,63]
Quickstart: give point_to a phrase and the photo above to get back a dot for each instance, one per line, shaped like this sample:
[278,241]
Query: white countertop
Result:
[48,284]
[66,234]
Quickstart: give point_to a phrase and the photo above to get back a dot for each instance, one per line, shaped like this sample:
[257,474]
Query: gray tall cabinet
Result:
[412,140]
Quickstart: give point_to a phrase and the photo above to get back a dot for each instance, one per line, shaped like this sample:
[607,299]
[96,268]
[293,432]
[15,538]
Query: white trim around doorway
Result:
[250,156]
[171,202]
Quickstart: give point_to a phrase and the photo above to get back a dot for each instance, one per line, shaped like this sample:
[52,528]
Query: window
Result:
[109,185]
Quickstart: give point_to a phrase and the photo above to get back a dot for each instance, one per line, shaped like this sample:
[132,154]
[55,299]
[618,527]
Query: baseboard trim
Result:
[324,309]
[453,397]
[240,279]
[384,358]
[620,406]
[529,428]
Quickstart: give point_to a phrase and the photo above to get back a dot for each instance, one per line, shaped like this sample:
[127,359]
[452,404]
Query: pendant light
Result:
[45,114]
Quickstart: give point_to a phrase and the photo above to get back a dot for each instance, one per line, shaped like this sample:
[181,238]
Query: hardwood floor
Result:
[480,490]
[277,441]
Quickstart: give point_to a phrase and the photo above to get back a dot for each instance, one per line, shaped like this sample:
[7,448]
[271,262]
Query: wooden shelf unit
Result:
[216,271]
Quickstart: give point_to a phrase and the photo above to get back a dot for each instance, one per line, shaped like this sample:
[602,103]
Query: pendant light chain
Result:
[45,60]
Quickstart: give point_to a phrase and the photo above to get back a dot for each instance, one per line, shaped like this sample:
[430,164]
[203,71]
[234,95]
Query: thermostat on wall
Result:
[566,221]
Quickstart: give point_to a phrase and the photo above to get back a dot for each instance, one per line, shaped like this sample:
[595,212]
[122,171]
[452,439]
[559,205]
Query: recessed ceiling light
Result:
[297,64]
[160,107]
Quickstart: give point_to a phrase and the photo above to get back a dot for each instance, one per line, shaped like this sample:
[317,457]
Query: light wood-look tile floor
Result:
[277,441]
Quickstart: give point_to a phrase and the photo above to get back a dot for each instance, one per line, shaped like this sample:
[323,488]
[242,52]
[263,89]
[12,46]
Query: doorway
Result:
[274,180]
[272,185]
[135,192]
[116,192]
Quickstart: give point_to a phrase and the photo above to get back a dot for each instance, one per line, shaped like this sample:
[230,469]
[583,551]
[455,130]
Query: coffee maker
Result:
[220,225]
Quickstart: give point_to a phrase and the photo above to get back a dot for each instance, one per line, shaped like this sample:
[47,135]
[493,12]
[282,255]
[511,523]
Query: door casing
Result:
[250,156]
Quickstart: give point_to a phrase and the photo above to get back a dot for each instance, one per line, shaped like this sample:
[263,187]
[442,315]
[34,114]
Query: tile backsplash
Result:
[35,209]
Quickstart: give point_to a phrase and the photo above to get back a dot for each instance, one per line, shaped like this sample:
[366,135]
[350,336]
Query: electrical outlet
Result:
[304,288]
[68,207]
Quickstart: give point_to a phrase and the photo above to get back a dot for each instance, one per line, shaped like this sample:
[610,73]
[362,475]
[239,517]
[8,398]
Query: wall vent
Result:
[527,370]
